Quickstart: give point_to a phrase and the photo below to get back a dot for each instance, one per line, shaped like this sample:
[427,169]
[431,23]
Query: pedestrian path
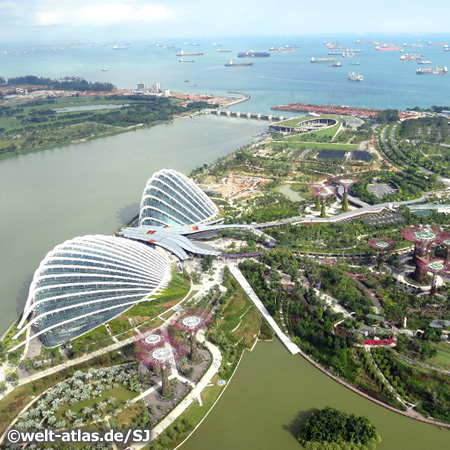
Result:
[293,348]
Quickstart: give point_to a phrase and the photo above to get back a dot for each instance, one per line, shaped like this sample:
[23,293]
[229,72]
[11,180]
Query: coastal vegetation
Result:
[330,429]
[64,84]
[50,122]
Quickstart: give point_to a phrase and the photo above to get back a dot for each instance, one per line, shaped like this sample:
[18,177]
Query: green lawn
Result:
[327,132]
[442,359]
[315,145]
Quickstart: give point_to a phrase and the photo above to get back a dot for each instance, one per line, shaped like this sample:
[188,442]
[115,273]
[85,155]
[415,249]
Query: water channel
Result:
[272,393]
[94,187]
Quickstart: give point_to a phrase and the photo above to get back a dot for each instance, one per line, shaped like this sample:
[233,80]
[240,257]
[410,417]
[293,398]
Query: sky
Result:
[134,19]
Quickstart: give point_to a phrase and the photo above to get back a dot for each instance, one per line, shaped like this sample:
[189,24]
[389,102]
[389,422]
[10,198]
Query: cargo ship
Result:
[411,57]
[437,43]
[223,50]
[323,60]
[189,54]
[385,47]
[185,60]
[352,76]
[429,71]
[349,55]
[424,61]
[336,53]
[253,54]
[232,64]
[365,42]
[335,64]
[287,48]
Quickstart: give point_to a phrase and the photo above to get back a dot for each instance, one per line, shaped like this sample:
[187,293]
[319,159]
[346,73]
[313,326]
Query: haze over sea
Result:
[283,77]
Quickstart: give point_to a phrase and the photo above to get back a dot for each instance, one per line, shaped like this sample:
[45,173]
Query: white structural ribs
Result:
[91,275]
[171,198]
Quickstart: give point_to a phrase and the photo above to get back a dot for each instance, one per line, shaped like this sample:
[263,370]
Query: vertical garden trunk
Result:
[323,210]
[433,285]
[165,381]
[194,350]
[420,275]
[345,207]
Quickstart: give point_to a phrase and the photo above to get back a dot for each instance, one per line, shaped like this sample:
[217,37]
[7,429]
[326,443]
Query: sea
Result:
[285,76]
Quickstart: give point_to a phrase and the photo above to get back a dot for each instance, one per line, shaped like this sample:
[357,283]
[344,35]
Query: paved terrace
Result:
[293,348]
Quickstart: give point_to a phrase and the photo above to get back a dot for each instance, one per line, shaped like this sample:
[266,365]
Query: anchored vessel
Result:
[189,54]
[429,71]
[355,76]
[411,57]
[230,63]
[323,60]
[253,54]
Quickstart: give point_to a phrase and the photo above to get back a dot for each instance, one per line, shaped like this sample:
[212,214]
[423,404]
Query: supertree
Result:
[193,320]
[446,244]
[434,266]
[423,237]
[322,191]
[382,245]
[345,183]
[158,349]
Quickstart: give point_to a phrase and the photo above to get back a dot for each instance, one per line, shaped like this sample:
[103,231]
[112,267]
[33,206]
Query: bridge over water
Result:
[247,115]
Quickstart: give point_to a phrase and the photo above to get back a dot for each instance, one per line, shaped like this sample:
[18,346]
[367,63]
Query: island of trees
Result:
[330,429]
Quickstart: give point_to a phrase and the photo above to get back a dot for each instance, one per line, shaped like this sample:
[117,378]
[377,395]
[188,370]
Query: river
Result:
[94,187]
[272,393]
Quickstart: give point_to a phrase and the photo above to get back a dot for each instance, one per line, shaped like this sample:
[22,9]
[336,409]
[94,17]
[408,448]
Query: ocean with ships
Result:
[286,76]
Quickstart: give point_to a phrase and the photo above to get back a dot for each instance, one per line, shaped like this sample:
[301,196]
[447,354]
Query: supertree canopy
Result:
[345,183]
[382,245]
[423,237]
[434,266]
[192,321]
[322,191]
[158,349]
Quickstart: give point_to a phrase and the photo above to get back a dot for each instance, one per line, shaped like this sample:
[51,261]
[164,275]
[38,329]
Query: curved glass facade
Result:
[86,281]
[170,198]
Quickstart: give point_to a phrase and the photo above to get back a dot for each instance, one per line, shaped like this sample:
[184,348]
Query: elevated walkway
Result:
[286,341]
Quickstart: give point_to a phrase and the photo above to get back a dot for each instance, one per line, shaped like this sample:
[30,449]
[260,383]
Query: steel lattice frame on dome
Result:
[87,281]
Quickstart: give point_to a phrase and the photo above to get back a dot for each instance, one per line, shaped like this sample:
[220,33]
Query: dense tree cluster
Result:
[330,429]
[410,183]
[387,116]
[74,84]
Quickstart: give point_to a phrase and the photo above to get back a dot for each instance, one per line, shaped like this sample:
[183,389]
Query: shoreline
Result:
[222,101]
